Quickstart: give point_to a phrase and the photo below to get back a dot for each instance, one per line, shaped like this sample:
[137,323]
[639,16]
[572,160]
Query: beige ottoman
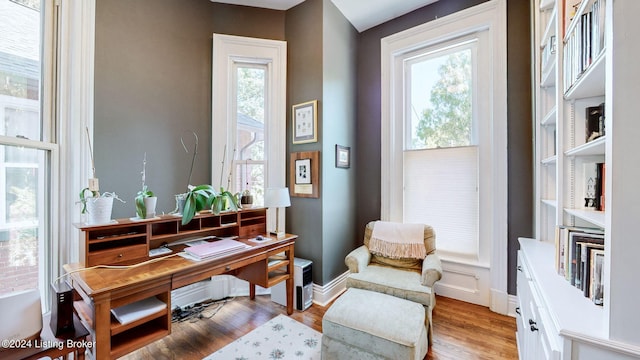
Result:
[363,324]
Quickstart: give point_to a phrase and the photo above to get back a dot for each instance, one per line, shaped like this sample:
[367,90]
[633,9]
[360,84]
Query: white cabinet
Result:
[569,80]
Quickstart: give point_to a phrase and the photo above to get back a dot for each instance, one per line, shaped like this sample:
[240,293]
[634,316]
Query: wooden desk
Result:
[101,289]
[48,344]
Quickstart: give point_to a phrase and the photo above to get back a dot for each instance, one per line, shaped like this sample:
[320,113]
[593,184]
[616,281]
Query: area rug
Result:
[279,338]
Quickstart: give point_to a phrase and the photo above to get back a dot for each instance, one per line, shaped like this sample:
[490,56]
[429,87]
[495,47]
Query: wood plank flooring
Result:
[461,330]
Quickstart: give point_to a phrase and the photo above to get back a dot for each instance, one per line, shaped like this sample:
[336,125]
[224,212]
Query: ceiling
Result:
[363,14]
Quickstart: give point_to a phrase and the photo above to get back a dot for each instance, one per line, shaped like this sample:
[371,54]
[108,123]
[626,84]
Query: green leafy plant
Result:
[224,200]
[197,199]
[141,209]
[83,198]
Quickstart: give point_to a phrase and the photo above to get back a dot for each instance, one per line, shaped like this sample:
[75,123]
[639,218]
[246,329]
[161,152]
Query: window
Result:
[440,150]
[248,116]
[249,160]
[444,135]
[25,150]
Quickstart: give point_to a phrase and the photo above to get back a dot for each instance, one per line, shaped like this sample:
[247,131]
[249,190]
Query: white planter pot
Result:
[150,205]
[99,210]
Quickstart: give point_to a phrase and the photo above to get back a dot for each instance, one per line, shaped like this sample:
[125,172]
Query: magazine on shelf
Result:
[575,253]
[129,313]
[585,266]
[596,287]
[562,246]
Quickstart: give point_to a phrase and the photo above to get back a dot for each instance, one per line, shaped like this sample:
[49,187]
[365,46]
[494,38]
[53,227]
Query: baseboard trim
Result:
[513,304]
[499,302]
[323,295]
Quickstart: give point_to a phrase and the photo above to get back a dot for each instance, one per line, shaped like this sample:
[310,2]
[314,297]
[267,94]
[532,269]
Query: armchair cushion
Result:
[396,282]
[407,263]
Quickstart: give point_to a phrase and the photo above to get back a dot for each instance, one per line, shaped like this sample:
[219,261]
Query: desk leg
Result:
[289,281]
[102,326]
[252,291]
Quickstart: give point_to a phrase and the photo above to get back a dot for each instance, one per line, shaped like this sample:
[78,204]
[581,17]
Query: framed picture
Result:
[305,122]
[303,171]
[343,156]
[304,179]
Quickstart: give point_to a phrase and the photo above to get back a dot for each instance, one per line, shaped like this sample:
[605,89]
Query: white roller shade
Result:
[441,190]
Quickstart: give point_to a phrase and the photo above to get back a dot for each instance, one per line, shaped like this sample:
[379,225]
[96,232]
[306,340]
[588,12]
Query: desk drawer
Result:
[252,230]
[118,255]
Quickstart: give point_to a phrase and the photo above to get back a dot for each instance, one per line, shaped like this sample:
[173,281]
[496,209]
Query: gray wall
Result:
[153,85]
[321,66]
[520,139]
[339,120]
[304,77]
[520,130]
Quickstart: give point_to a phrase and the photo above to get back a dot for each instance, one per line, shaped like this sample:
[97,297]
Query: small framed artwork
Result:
[303,171]
[343,156]
[304,175]
[305,122]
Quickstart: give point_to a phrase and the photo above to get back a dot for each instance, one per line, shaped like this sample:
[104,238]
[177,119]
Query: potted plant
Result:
[223,201]
[145,199]
[97,206]
[196,199]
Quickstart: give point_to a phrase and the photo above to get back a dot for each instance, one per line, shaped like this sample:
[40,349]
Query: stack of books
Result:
[580,259]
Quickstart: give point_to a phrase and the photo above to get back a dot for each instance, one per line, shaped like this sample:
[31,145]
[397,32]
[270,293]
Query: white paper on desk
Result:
[131,312]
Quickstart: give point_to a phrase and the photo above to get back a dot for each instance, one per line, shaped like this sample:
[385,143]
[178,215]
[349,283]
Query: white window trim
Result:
[493,194]
[228,49]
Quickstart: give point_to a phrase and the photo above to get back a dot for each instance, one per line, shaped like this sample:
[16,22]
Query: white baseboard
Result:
[323,295]
[499,302]
[513,304]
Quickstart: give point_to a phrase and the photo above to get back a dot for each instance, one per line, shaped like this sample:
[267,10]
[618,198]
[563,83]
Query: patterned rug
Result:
[279,338]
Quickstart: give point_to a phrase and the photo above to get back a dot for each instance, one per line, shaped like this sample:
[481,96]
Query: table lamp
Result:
[277,198]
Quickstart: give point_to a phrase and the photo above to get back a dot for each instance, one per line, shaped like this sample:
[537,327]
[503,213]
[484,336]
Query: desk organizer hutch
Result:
[127,242]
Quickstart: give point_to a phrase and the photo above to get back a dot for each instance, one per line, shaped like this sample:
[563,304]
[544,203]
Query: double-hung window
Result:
[441,144]
[249,115]
[444,132]
[27,150]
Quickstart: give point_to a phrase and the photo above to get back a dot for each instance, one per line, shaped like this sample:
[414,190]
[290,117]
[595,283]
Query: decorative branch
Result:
[195,152]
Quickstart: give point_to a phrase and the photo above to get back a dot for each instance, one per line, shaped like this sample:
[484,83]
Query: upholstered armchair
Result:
[408,278]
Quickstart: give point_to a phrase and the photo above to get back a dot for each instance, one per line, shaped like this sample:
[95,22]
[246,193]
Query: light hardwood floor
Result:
[461,330]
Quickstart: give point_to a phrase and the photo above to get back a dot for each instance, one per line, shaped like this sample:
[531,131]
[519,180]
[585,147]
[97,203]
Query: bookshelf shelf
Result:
[549,75]
[550,29]
[550,202]
[595,147]
[550,118]
[551,160]
[596,218]
[591,82]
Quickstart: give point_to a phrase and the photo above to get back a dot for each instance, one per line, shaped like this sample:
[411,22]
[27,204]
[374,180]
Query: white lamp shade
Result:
[277,197]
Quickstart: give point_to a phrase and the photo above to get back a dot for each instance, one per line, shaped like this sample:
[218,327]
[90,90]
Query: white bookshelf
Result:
[571,326]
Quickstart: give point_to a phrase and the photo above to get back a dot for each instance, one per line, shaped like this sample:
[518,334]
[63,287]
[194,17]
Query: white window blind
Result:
[444,194]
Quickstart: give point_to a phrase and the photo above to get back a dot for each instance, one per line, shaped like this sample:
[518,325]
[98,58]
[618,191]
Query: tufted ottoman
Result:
[363,324]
